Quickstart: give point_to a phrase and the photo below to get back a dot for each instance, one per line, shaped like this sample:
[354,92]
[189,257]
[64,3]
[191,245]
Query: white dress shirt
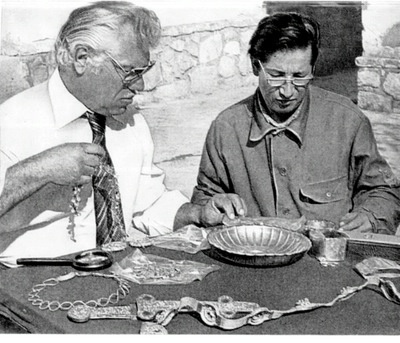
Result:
[48,115]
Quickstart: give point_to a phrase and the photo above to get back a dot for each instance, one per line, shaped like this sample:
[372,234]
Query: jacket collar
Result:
[260,127]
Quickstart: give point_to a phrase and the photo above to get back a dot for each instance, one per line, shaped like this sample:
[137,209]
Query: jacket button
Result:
[283,171]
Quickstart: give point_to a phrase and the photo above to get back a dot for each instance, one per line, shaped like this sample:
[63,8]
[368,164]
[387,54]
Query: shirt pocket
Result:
[323,192]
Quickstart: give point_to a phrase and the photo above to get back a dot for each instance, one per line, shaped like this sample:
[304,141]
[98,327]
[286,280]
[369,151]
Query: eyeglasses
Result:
[280,81]
[134,74]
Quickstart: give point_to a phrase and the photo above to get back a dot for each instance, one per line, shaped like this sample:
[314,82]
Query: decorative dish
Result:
[259,245]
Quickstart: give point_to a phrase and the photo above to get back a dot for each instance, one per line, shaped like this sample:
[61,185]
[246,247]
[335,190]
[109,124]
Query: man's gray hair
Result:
[87,25]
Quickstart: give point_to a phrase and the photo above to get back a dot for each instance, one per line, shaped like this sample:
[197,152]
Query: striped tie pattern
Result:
[107,201]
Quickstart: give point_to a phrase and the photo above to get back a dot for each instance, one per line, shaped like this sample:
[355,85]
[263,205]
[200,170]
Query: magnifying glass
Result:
[88,260]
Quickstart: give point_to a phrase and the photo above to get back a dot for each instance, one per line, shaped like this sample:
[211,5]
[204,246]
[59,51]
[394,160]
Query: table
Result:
[279,288]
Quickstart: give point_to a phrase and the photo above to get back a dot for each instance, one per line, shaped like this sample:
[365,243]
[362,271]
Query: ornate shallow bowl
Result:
[259,245]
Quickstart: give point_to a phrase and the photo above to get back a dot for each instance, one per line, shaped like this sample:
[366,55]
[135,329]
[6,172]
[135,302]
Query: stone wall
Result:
[18,73]
[379,83]
[379,65]
[191,59]
[201,58]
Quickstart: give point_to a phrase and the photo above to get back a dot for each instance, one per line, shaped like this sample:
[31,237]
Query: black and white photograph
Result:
[200,167]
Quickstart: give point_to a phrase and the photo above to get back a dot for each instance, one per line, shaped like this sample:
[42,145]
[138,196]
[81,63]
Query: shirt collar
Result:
[260,127]
[66,107]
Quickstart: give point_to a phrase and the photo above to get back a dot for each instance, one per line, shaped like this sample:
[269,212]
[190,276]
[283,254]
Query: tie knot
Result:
[98,124]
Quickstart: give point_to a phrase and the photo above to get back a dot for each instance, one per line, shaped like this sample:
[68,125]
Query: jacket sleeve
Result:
[376,190]
[213,176]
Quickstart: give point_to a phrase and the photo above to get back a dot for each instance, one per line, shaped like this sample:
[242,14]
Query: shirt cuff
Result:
[372,219]
[159,218]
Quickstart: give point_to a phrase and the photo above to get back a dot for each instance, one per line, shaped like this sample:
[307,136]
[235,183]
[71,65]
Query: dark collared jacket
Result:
[323,165]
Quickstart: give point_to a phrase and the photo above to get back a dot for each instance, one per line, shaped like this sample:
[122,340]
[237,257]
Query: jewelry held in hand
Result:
[74,205]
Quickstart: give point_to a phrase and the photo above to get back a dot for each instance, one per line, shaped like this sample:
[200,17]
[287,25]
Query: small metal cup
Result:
[328,244]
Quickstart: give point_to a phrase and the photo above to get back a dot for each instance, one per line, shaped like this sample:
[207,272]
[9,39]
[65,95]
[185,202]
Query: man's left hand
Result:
[355,221]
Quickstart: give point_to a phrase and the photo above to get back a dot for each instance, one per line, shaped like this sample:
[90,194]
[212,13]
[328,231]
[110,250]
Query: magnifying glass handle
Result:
[47,261]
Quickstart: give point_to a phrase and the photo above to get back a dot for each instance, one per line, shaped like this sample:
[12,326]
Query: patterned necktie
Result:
[107,202]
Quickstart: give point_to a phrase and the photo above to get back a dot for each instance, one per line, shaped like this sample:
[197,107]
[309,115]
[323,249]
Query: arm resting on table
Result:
[376,190]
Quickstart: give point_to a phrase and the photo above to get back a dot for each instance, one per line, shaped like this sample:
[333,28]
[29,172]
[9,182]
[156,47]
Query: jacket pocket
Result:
[323,192]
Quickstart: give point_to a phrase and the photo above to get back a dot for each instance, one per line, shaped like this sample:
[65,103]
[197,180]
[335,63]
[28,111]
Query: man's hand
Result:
[72,163]
[214,212]
[358,222]
[221,206]
[66,164]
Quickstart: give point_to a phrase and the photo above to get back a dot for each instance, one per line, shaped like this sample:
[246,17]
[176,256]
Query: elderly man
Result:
[76,160]
[293,149]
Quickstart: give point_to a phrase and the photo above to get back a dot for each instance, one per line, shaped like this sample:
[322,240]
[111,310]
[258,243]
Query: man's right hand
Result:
[72,163]
[222,206]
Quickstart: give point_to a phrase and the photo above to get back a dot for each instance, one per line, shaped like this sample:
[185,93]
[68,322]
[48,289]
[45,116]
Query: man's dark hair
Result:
[284,31]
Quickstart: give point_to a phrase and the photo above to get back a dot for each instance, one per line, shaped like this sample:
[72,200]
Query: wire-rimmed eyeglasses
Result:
[280,81]
[135,74]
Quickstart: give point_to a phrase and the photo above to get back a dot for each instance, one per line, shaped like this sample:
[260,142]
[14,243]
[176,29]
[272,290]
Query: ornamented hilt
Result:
[83,313]
[159,311]
[226,313]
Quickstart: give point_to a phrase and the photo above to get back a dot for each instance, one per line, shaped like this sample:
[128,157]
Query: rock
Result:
[392,85]
[210,49]
[374,102]
[369,78]
[232,48]
[227,67]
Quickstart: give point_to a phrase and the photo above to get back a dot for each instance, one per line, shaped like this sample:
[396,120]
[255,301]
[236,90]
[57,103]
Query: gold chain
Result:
[54,305]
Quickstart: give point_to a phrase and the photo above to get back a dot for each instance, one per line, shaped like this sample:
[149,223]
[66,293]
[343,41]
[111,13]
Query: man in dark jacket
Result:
[293,149]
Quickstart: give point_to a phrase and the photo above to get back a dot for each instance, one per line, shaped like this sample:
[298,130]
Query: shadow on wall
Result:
[342,82]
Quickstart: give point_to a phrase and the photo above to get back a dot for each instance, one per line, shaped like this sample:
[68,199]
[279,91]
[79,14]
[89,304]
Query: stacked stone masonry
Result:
[379,83]
[191,59]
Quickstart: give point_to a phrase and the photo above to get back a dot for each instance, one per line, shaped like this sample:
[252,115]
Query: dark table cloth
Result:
[279,288]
